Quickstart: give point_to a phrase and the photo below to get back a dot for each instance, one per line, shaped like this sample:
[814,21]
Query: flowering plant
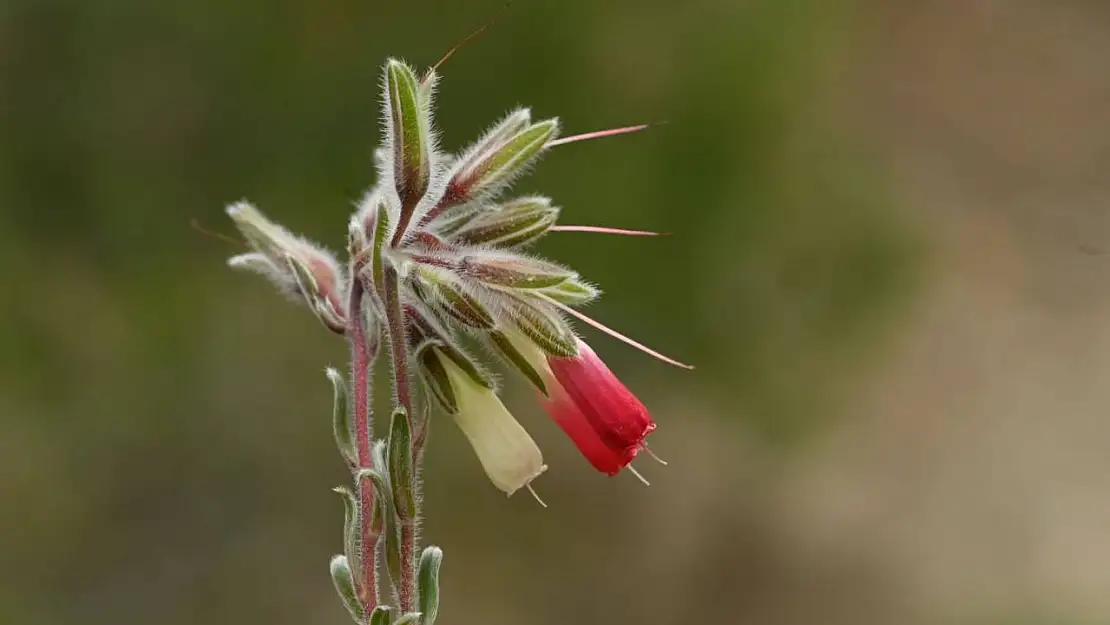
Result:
[437,262]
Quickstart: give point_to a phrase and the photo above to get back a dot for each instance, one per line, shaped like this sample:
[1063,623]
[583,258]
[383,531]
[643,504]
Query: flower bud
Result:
[508,454]
[514,271]
[514,224]
[499,158]
[543,326]
[409,132]
[294,265]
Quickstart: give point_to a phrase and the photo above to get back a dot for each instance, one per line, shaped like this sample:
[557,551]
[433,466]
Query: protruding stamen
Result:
[596,135]
[604,230]
[653,456]
[633,471]
[617,335]
[534,495]
[467,39]
[194,223]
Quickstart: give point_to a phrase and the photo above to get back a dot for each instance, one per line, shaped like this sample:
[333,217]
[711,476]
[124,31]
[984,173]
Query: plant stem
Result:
[362,353]
[395,325]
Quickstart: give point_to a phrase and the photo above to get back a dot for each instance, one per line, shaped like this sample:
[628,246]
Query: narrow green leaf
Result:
[428,582]
[401,475]
[345,586]
[341,424]
[351,530]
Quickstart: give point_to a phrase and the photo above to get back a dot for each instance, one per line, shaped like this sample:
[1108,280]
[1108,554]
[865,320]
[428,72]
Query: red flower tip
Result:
[605,420]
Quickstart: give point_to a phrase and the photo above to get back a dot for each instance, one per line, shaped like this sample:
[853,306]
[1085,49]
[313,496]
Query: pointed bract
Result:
[513,224]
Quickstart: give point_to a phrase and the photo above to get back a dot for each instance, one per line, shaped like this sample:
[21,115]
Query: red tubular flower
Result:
[605,420]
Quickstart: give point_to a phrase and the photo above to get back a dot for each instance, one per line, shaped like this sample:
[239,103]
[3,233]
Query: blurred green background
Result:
[888,261]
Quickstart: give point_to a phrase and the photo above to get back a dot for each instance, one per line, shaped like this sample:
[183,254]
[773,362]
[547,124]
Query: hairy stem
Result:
[395,325]
[362,354]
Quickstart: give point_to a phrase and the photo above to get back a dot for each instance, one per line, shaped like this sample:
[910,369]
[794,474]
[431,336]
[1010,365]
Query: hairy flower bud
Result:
[498,159]
[513,270]
[297,267]
[409,132]
[543,326]
[514,224]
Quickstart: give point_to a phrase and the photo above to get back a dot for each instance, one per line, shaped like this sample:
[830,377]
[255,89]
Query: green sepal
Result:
[517,360]
[545,328]
[435,376]
[462,306]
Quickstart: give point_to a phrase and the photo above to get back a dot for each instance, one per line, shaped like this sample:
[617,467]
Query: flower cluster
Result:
[438,265]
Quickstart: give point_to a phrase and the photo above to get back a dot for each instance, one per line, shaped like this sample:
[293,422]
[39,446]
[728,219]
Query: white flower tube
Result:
[508,454]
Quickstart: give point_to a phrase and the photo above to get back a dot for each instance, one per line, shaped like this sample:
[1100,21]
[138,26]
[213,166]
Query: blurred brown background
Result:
[890,258]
